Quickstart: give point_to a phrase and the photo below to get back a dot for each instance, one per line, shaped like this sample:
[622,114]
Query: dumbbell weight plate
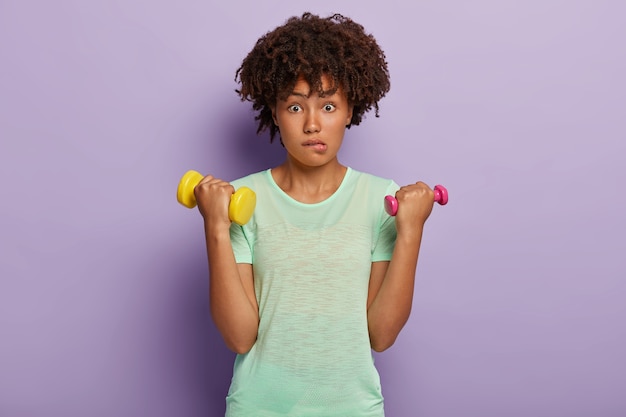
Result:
[184,193]
[242,204]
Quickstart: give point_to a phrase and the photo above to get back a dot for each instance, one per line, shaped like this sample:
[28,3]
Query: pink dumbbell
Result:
[441,197]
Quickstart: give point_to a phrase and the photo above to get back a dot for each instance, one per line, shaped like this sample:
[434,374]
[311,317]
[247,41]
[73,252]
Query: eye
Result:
[294,108]
[329,107]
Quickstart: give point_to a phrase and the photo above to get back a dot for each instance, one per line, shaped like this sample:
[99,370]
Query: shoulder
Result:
[373,182]
[253,181]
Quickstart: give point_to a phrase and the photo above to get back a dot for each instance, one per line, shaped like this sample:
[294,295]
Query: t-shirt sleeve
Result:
[241,246]
[386,241]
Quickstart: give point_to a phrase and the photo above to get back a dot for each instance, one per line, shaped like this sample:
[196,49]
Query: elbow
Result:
[238,336]
[240,348]
[382,344]
[384,335]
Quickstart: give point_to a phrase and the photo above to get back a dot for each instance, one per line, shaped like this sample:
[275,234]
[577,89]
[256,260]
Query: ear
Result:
[273,109]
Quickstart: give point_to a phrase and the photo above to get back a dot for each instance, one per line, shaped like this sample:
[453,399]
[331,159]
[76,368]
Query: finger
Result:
[208,179]
[417,188]
[214,186]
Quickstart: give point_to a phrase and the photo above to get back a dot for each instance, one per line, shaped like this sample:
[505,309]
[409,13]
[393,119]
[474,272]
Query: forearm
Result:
[391,308]
[234,314]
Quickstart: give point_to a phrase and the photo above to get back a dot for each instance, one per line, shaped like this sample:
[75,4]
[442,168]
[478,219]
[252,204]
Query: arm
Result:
[231,287]
[391,285]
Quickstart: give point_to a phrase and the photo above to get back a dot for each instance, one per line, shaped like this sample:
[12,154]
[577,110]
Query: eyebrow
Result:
[326,93]
[298,94]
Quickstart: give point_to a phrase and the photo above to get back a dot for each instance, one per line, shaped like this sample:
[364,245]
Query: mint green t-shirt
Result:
[311,263]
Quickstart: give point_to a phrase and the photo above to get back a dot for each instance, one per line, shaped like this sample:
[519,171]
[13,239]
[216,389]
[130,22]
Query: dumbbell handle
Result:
[242,202]
[441,197]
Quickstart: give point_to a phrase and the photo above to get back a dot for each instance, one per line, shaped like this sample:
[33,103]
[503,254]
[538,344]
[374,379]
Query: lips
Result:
[316,144]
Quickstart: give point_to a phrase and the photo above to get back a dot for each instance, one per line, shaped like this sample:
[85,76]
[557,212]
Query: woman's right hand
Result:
[213,197]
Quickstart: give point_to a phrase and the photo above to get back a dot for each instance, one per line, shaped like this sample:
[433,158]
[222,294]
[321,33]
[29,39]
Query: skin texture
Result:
[391,286]
[312,127]
[231,288]
[310,47]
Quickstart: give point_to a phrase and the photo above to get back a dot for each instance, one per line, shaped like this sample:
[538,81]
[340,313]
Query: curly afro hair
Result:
[311,46]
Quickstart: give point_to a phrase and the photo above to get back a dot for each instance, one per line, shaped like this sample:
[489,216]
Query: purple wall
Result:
[517,107]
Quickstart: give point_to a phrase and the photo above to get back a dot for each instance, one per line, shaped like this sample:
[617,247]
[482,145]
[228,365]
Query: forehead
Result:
[328,87]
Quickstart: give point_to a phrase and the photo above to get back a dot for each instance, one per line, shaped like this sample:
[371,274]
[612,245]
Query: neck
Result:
[309,184]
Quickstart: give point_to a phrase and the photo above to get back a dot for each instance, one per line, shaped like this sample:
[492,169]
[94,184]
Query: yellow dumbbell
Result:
[242,202]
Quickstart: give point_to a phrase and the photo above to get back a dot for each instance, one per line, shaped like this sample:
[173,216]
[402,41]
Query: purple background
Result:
[518,107]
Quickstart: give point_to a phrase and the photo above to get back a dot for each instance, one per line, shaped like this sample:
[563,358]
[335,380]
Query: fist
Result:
[213,197]
[415,203]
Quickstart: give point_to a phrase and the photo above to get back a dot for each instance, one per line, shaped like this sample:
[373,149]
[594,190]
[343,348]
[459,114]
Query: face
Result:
[312,127]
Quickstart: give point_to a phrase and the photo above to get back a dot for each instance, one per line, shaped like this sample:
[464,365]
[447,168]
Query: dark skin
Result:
[309,80]
[312,129]
[310,47]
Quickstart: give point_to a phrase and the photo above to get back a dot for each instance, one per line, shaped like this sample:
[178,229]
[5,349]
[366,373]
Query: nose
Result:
[312,122]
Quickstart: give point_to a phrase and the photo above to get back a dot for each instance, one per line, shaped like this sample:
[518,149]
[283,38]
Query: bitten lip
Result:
[313,142]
